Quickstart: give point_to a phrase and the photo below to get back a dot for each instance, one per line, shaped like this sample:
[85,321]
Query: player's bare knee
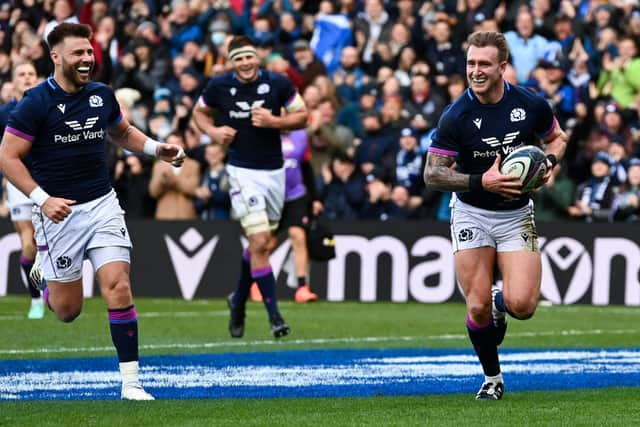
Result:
[259,243]
[521,310]
[67,312]
[479,313]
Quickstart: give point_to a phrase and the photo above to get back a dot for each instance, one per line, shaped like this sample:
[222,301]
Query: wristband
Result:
[38,196]
[475,182]
[553,160]
[151,147]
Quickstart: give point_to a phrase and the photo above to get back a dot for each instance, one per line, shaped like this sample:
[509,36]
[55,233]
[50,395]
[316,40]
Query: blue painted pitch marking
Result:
[318,373]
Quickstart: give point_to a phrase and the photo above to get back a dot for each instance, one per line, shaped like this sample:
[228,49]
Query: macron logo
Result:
[190,268]
[61,107]
[477,122]
[88,124]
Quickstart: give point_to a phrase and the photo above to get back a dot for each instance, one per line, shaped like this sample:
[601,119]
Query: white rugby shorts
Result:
[64,246]
[256,190]
[507,231]
[19,204]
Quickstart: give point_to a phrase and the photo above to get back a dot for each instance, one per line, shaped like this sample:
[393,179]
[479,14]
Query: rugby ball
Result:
[529,163]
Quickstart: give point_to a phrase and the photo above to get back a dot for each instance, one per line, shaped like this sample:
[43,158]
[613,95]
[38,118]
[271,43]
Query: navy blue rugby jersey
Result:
[68,132]
[475,133]
[232,100]
[5,110]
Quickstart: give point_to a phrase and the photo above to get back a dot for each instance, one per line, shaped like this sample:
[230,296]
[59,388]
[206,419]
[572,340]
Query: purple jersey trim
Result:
[21,134]
[553,127]
[117,120]
[443,152]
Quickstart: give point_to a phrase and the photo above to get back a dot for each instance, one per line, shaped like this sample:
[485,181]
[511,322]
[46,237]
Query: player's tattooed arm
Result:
[438,174]
[121,136]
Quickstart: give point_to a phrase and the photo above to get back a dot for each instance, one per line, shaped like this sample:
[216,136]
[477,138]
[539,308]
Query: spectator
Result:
[62,11]
[174,188]
[554,198]
[349,76]
[372,28]
[131,183]
[525,47]
[342,189]
[626,206]
[212,199]
[424,101]
[595,196]
[446,58]
[620,76]
[326,136]
[376,148]
[138,69]
[179,27]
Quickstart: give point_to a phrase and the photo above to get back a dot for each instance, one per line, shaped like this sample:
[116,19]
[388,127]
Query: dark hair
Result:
[67,29]
[490,38]
[240,41]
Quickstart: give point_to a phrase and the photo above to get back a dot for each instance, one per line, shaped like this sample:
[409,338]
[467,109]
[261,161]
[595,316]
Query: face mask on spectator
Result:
[217,38]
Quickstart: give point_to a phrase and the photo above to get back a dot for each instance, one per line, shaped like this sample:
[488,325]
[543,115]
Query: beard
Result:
[70,73]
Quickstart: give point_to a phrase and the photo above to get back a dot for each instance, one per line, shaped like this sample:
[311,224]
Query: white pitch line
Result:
[303,342]
[142,315]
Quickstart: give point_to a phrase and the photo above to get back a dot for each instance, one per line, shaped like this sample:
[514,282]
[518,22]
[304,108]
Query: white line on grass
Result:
[348,340]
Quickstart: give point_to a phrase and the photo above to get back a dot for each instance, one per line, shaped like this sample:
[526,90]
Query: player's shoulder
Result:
[275,79]
[221,80]
[526,95]
[5,109]
[459,108]
[98,86]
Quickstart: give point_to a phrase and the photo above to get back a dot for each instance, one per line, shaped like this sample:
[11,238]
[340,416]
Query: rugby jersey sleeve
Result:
[115,115]
[445,138]
[287,93]
[545,120]
[208,96]
[27,118]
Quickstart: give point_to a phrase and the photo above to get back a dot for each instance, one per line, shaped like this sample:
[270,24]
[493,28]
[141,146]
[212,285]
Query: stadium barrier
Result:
[596,264]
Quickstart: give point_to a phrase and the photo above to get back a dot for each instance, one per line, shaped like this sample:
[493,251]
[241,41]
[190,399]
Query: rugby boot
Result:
[490,391]
[278,327]
[236,319]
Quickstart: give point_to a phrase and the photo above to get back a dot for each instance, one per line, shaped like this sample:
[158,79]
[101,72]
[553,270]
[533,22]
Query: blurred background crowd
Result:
[375,75]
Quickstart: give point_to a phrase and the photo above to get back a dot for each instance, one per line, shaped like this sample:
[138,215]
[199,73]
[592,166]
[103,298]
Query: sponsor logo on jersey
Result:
[517,115]
[95,101]
[88,124]
[508,139]
[61,107]
[84,131]
[245,109]
[477,122]
[233,91]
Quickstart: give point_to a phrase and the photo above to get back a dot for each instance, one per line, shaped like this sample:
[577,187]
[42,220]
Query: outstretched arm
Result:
[132,139]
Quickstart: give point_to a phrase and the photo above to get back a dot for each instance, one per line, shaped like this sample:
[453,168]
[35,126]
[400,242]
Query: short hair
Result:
[490,38]
[16,65]
[240,41]
[67,29]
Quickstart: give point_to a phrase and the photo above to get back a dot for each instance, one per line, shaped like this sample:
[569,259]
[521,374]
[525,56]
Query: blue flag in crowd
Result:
[331,34]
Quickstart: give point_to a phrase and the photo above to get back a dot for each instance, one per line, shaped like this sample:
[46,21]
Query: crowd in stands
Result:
[375,76]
